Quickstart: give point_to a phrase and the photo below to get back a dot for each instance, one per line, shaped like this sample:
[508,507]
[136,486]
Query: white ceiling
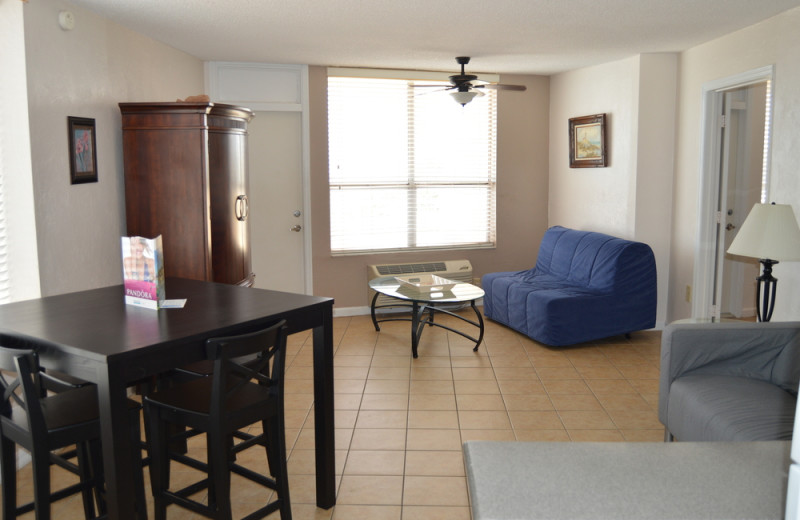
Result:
[502,36]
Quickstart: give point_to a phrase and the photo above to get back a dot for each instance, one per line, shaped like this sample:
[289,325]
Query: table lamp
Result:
[769,233]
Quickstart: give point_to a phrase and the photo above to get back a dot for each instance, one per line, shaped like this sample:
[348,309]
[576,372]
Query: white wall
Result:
[15,157]
[595,199]
[631,197]
[774,41]
[86,72]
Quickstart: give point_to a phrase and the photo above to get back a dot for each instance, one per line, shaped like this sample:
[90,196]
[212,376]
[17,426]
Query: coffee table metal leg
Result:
[480,320]
[415,328]
[372,312]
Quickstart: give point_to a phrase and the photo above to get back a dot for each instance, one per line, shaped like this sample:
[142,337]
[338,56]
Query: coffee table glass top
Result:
[426,288]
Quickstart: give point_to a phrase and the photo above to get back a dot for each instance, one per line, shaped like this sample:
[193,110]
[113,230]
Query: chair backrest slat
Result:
[235,366]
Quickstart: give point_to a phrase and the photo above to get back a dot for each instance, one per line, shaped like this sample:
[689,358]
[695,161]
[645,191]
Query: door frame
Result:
[705,257]
[271,88]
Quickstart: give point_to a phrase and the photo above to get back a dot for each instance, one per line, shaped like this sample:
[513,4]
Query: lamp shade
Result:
[463,97]
[770,231]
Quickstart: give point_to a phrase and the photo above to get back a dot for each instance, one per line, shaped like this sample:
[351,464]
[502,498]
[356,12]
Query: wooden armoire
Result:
[186,180]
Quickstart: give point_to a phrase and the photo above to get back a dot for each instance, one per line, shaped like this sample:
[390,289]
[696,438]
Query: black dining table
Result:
[94,335]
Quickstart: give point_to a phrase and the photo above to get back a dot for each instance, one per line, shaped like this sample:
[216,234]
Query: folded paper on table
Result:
[143,271]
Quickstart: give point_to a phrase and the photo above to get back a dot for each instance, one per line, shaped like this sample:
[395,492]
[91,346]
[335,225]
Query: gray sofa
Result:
[729,381]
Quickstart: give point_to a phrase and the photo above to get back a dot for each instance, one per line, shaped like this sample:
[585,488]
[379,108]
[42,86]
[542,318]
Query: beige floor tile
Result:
[599,372]
[473,374]
[370,490]
[432,387]
[525,372]
[433,419]
[535,420]
[656,435]
[483,419]
[381,462]
[528,402]
[575,402]
[391,361]
[487,435]
[381,419]
[435,491]
[431,361]
[401,373]
[384,402]
[432,373]
[604,387]
[425,439]
[340,372]
[586,420]
[435,463]
[351,361]
[625,402]
[386,386]
[556,373]
[432,402]
[635,419]
[378,439]
[436,513]
[471,362]
[477,387]
[566,386]
[480,402]
[354,512]
[520,386]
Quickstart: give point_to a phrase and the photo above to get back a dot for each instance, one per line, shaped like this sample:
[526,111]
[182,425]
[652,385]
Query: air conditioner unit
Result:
[458,270]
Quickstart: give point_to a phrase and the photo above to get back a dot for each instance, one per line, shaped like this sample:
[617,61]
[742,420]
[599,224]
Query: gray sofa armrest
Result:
[765,351]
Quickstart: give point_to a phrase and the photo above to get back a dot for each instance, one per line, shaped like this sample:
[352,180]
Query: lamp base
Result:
[765,299]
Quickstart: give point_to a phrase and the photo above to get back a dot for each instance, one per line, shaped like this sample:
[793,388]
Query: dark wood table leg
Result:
[323,411]
[114,428]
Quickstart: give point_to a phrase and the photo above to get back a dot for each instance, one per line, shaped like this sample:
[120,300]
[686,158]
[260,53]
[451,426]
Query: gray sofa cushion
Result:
[730,408]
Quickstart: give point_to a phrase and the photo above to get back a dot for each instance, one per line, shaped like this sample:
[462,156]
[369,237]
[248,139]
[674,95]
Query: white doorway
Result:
[735,177]
[277,213]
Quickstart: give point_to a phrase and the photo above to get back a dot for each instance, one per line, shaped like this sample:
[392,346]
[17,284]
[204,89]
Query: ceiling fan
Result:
[464,88]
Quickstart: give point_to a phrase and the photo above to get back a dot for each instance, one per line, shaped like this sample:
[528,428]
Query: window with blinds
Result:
[5,282]
[409,168]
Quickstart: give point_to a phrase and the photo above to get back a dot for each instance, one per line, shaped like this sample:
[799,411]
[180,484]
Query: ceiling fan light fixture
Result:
[462,98]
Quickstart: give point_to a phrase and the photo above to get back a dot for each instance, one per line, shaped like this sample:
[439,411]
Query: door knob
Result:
[296,228]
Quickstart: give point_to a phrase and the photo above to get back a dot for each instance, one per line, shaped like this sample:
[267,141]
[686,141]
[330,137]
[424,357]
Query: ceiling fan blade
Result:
[429,86]
[491,86]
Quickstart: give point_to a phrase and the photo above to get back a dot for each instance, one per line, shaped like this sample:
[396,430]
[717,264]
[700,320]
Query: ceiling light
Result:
[463,98]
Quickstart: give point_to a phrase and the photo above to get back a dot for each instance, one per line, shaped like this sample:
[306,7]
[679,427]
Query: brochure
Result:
[143,271]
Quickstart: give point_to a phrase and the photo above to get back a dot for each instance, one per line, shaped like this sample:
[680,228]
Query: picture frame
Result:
[82,137]
[587,142]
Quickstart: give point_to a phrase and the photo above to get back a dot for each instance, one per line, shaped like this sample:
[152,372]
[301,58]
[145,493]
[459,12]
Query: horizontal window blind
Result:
[409,168]
[5,281]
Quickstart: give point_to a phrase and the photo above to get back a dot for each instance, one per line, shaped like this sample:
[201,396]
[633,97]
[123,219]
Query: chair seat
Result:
[729,408]
[195,396]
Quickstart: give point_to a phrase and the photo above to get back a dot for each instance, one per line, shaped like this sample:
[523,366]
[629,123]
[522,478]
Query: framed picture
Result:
[82,150]
[587,142]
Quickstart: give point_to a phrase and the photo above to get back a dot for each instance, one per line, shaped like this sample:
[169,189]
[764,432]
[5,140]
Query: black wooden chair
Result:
[236,395]
[45,414]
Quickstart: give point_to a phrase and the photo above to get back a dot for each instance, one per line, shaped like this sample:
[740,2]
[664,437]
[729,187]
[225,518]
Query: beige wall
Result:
[775,41]
[86,72]
[629,198]
[522,166]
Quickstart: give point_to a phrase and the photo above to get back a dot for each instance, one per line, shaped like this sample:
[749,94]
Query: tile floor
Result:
[400,422]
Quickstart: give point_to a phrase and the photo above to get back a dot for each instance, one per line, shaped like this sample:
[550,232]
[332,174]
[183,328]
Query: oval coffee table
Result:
[423,298]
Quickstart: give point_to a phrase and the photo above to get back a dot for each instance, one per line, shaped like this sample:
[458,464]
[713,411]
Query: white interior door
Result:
[745,125]
[276,201]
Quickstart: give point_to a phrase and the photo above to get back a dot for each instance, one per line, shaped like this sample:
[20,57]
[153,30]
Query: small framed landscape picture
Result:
[587,142]
[82,150]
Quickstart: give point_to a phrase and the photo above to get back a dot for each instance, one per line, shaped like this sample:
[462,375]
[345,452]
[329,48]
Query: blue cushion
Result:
[585,286]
